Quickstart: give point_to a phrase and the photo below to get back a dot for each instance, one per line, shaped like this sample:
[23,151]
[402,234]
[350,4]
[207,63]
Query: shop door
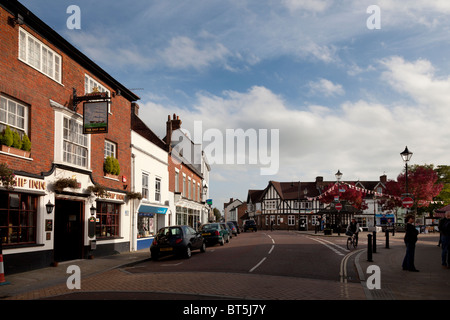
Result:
[302,223]
[68,230]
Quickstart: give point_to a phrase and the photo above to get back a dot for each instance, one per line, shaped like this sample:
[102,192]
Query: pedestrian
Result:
[410,241]
[444,229]
[271,225]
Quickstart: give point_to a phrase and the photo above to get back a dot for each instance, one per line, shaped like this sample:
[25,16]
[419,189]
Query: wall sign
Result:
[95,117]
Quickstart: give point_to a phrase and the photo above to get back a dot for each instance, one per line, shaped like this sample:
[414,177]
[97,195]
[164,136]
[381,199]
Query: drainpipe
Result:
[132,209]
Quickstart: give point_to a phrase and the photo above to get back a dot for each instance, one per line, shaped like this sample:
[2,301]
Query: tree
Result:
[423,187]
[217,214]
[352,196]
[443,173]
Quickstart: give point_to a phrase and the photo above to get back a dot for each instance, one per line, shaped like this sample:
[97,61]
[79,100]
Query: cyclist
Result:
[353,229]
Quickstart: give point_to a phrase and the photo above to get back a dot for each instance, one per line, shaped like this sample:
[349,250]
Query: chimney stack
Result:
[135,108]
[171,125]
[176,122]
[383,178]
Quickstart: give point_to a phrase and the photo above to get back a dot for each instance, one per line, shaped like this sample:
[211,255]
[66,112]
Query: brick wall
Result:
[25,84]
[173,163]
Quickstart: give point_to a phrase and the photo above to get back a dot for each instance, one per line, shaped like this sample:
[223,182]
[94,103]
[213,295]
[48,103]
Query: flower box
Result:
[15,151]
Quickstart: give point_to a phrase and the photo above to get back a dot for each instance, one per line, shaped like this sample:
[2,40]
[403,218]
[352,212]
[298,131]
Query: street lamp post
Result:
[338,176]
[406,156]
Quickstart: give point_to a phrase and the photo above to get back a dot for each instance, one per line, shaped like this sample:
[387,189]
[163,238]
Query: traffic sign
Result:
[407,202]
[338,206]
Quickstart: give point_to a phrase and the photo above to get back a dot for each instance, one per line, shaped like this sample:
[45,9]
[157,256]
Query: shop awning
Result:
[149,211]
[388,216]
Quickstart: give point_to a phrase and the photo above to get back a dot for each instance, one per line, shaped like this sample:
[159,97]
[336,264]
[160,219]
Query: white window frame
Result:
[291,220]
[189,187]
[37,55]
[177,180]
[7,111]
[89,85]
[76,141]
[145,185]
[110,149]
[158,189]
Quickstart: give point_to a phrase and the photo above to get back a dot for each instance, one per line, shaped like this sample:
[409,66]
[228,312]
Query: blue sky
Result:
[341,95]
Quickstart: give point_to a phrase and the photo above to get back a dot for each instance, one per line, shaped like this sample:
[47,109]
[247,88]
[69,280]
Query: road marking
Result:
[171,265]
[324,242]
[259,263]
[343,269]
[262,260]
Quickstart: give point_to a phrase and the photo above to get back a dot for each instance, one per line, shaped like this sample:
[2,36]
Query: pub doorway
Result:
[68,230]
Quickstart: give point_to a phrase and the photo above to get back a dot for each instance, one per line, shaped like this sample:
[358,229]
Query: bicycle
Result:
[352,242]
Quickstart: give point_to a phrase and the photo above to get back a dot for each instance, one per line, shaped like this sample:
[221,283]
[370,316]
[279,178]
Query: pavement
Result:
[110,278]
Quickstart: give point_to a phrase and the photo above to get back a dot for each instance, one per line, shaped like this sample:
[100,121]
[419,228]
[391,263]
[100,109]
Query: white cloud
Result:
[183,53]
[361,138]
[326,87]
[308,5]
[419,81]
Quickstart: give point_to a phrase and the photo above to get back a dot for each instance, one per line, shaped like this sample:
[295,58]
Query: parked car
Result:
[237,226]
[226,226]
[215,233]
[177,240]
[250,225]
[233,228]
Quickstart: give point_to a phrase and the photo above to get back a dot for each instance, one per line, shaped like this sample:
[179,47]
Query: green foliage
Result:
[62,183]
[7,137]
[17,141]
[26,143]
[11,138]
[111,165]
[6,176]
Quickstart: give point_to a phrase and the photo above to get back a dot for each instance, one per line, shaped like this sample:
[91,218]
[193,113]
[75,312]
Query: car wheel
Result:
[188,252]
[203,247]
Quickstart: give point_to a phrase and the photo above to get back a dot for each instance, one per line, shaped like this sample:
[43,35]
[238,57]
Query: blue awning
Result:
[149,211]
[388,216]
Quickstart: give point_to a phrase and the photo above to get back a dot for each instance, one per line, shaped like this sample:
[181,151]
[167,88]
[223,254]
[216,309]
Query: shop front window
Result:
[108,215]
[18,212]
[145,226]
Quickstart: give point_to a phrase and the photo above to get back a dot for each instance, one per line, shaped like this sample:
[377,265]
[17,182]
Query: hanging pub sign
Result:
[95,117]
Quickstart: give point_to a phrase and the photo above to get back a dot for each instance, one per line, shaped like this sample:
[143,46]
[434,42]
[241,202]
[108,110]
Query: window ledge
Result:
[10,151]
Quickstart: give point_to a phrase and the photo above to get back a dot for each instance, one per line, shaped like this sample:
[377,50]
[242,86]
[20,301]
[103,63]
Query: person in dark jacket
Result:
[410,241]
[444,229]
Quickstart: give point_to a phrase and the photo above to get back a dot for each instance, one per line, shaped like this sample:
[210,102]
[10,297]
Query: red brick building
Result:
[40,76]
[186,181]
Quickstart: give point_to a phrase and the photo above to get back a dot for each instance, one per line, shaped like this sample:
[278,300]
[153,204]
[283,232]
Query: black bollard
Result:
[374,249]
[387,239]
[369,248]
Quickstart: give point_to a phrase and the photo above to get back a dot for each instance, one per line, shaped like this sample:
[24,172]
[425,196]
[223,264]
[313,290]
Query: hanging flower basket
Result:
[97,189]
[134,195]
[62,183]
[7,176]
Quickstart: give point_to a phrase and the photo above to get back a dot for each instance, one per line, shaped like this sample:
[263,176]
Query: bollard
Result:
[374,249]
[387,239]
[369,248]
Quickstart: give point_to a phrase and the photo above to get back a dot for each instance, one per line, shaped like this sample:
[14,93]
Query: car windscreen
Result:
[210,227]
[169,232]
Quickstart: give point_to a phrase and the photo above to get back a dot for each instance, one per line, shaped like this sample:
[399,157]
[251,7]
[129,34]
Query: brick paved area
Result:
[241,286]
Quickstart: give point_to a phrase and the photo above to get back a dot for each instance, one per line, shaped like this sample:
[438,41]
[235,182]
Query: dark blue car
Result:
[177,240]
